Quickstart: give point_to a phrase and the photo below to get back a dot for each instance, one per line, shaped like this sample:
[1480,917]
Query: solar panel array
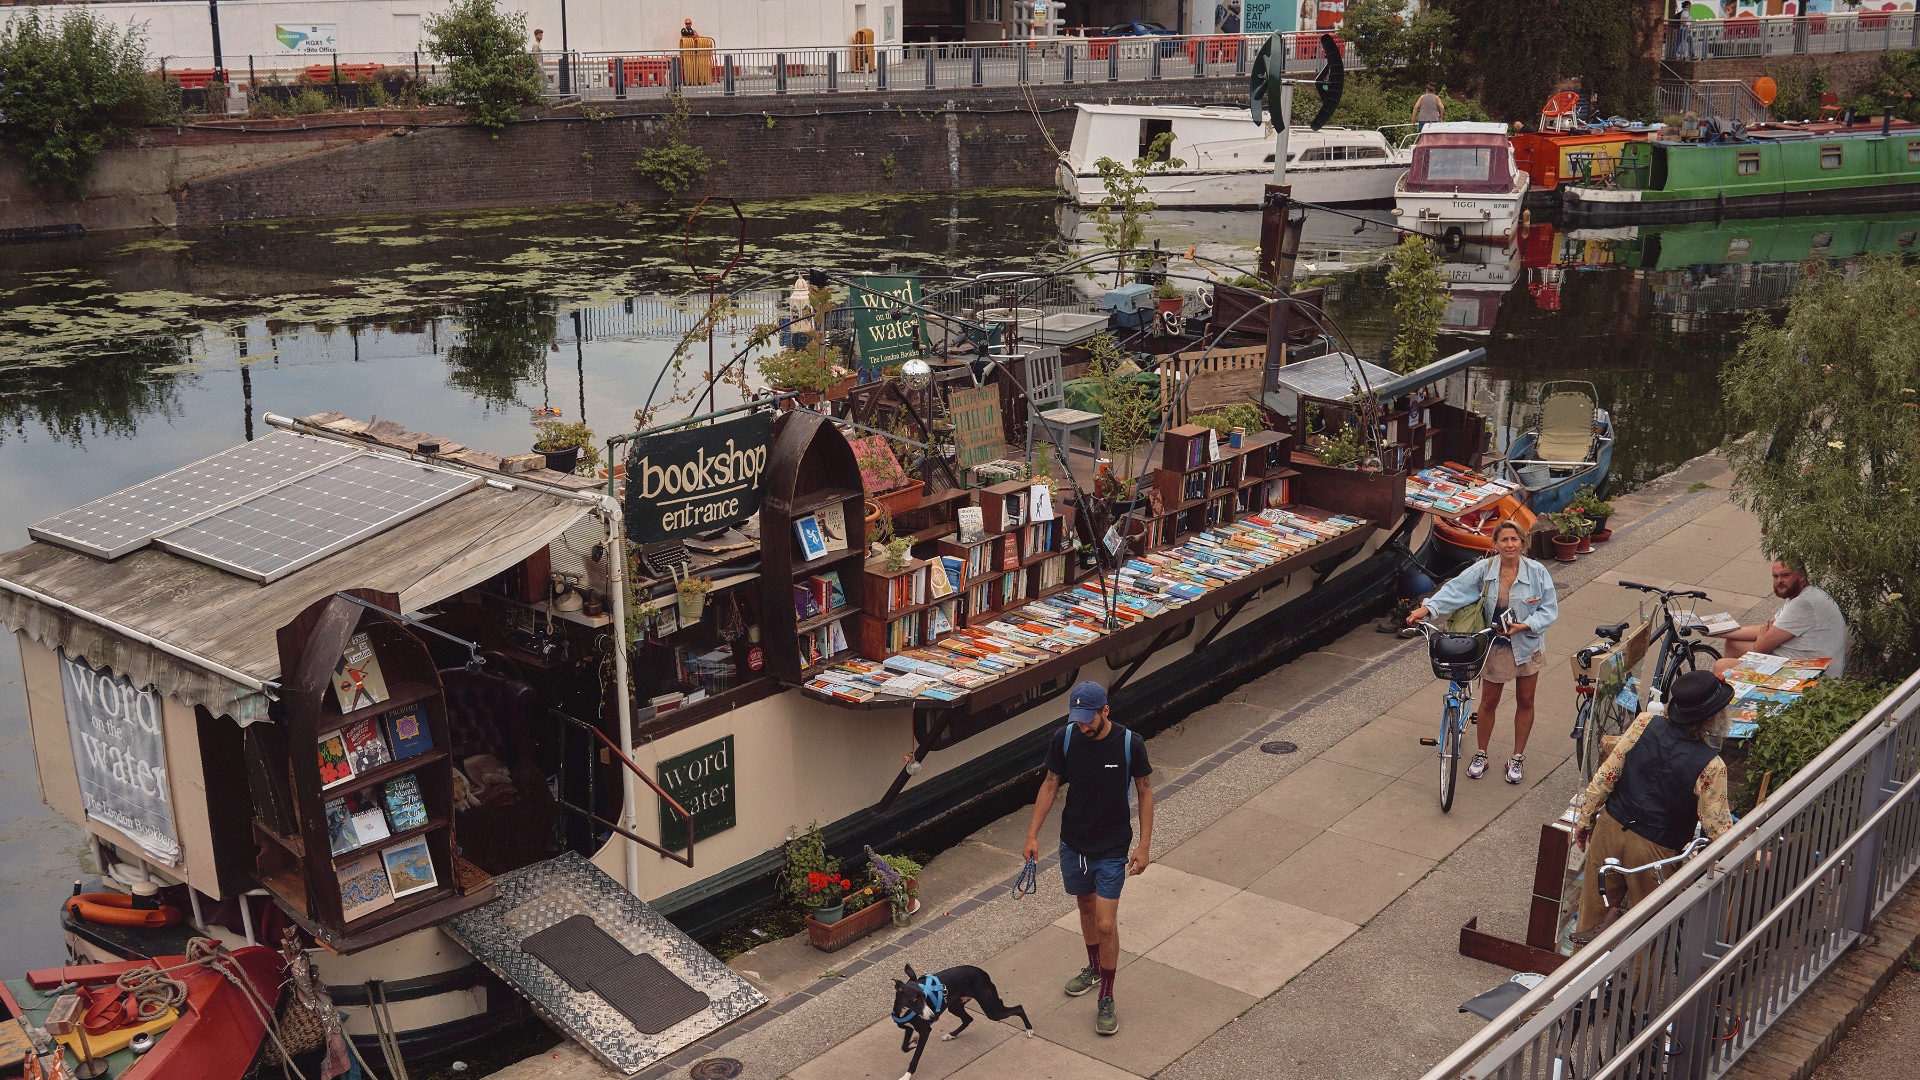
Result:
[126,520]
[262,510]
[277,532]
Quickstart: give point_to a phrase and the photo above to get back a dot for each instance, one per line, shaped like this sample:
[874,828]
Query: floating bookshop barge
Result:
[412,735]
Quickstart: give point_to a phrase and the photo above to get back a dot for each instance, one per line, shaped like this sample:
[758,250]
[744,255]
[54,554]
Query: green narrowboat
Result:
[1756,241]
[1804,169]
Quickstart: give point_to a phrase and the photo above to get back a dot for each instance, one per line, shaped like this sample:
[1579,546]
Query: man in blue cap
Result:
[1097,759]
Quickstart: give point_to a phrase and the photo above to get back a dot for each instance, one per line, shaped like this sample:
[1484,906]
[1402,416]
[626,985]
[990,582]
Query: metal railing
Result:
[1692,976]
[1060,61]
[1797,35]
[1703,98]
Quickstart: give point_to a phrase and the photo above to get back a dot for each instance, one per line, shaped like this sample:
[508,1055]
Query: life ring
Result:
[114,909]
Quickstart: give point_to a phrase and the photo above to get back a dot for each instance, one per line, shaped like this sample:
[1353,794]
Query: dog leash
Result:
[1028,881]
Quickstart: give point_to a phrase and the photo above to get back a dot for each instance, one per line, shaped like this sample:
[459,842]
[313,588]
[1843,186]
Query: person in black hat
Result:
[1097,759]
[1661,777]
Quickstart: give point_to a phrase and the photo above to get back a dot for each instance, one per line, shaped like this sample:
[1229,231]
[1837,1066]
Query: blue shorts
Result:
[1101,877]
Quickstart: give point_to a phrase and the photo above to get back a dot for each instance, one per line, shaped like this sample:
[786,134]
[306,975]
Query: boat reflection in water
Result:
[1478,277]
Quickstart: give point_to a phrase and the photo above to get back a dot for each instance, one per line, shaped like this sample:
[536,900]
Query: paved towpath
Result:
[1302,912]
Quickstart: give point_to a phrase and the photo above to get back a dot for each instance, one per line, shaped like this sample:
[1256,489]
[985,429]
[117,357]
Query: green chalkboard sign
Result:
[701,780]
[884,331]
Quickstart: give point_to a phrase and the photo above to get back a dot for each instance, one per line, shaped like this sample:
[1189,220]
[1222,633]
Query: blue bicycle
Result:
[1458,659]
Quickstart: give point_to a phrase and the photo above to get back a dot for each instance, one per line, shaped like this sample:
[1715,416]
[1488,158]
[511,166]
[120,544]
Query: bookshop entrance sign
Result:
[696,479]
[701,781]
[120,755]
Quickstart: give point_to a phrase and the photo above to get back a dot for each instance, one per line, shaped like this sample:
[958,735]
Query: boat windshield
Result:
[1466,162]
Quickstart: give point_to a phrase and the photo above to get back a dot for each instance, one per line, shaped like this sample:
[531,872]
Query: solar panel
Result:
[125,521]
[301,522]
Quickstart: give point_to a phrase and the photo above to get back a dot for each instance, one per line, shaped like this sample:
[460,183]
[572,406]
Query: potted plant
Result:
[692,593]
[1566,539]
[899,553]
[883,477]
[565,445]
[827,895]
[1168,297]
[811,369]
[893,885]
[1341,451]
[1588,504]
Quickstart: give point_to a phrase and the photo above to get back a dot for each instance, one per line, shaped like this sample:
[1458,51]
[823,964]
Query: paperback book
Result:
[357,681]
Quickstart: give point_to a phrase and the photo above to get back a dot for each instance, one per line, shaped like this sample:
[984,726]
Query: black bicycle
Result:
[1680,651]
[1594,717]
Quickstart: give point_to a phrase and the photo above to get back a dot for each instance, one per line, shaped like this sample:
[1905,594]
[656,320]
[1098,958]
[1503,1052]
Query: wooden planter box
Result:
[832,937]
[901,500]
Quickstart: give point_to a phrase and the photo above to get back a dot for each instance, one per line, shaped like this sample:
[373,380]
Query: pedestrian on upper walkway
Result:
[1429,109]
[1517,597]
[1098,760]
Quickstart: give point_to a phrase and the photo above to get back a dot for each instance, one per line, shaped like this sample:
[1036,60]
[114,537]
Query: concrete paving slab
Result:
[1294,682]
[1033,973]
[1319,793]
[1203,733]
[1038,1059]
[1009,834]
[1164,1012]
[1721,538]
[874,1054]
[1361,643]
[1253,943]
[783,967]
[1688,565]
[962,871]
[1157,904]
[1240,847]
[1339,876]
[1389,745]
[1406,816]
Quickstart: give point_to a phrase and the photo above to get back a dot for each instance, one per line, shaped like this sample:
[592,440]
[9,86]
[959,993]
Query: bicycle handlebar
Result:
[1612,866]
[1664,594]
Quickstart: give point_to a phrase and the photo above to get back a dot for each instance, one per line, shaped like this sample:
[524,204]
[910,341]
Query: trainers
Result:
[1088,978]
[1106,1022]
[1513,769]
[1477,768]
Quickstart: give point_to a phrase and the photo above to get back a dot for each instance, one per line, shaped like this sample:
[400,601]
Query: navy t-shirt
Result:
[1096,822]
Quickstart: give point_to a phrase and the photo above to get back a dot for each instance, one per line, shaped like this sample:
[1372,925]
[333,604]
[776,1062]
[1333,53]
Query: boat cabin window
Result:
[1913,152]
[1151,130]
[1469,164]
[1905,239]
[1341,153]
[1822,244]
[1290,157]
[1748,163]
[1739,249]
[1830,157]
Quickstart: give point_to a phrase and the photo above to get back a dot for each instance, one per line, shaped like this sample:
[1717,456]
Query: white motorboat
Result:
[1463,184]
[1227,159]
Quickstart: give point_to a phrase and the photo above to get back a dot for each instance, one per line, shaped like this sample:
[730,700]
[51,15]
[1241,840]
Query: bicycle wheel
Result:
[1582,720]
[1449,753]
[1698,657]
[1608,720]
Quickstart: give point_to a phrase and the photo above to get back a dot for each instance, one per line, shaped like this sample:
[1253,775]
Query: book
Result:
[335,767]
[805,606]
[341,836]
[409,732]
[1042,500]
[405,808]
[833,525]
[369,821]
[973,524]
[364,888]
[357,680]
[366,745]
[813,543]
[409,867]
[837,596]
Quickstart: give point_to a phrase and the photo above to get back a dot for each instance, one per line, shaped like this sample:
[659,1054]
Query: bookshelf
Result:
[367,852]
[895,612]
[811,472]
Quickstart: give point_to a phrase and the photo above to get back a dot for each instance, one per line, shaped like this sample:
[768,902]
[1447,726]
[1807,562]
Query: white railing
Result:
[1797,35]
[1692,976]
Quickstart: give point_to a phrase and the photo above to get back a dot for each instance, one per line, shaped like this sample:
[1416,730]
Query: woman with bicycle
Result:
[1514,595]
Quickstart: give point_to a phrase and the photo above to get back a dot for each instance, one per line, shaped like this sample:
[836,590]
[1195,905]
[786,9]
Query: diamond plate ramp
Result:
[577,950]
[542,896]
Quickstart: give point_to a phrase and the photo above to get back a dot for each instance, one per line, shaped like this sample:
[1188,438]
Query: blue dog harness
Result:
[936,993]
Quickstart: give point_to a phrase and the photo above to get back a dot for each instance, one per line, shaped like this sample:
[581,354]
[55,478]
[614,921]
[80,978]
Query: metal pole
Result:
[726,76]
[779,73]
[617,551]
[620,77]
[880,70]
[213,15]
[1282,122]
[1069,74]
[566,58]
[833,69]
[932,75]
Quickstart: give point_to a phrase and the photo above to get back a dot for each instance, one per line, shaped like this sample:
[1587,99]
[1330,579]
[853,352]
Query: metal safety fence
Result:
[1795,35]
[1729,98]
[1691,977]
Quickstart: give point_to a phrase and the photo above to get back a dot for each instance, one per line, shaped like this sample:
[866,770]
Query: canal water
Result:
[122,357]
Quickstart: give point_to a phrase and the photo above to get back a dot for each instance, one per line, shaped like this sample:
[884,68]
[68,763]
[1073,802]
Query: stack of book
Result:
[994,644]
[1763,684]
[1455,489]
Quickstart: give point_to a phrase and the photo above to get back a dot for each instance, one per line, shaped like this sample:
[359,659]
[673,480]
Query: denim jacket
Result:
[1532,600]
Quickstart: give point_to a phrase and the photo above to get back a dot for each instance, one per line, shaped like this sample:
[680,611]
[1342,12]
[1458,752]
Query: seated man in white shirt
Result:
[1809,624]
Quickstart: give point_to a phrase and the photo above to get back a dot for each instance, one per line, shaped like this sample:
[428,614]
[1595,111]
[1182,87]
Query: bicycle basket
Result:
[1458,657]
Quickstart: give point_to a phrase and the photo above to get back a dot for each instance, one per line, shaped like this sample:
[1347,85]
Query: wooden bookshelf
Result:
[297,867]
[810,468]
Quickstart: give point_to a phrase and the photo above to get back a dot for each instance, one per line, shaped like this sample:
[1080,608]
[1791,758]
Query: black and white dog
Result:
[921,999]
